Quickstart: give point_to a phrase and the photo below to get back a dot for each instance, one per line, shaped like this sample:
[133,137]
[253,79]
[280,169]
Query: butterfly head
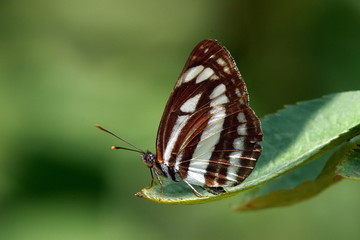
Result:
[148,158]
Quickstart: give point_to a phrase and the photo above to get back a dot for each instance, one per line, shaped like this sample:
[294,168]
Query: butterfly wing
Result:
[208,134]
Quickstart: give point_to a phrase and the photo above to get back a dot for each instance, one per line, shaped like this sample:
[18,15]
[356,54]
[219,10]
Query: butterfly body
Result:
[208,134]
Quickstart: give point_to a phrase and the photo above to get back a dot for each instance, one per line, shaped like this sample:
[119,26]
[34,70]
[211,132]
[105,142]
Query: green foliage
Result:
[294,165]
[349,167]
[302,183]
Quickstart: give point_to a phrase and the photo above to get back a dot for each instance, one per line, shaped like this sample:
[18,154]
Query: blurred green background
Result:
[67,65]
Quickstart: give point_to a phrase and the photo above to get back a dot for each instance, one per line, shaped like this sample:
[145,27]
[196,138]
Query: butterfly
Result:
[208,134]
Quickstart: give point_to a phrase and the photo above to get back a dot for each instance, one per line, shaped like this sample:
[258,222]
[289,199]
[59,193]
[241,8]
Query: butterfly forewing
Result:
[208,133]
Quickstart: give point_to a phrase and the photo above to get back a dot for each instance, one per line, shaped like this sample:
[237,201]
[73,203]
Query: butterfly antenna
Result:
[124,148]
[114,147]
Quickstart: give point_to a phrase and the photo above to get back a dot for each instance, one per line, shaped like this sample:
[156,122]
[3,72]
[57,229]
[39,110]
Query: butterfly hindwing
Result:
[208,133]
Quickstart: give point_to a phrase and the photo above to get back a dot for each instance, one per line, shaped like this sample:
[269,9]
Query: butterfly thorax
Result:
[159,168]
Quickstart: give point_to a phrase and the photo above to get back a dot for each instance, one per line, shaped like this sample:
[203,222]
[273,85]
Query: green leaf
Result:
[302,183]
[294,136]
[349,167]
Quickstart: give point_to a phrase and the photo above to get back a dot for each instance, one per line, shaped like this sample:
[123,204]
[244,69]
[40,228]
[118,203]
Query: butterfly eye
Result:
[148,158]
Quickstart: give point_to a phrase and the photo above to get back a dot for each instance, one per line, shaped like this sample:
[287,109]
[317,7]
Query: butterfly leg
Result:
[194,190]
[214,190]
[160,182]
[152,179]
